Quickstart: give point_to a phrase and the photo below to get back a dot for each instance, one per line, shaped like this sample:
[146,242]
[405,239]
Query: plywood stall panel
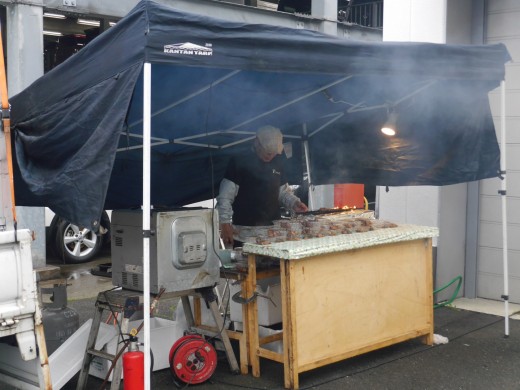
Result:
[347,303]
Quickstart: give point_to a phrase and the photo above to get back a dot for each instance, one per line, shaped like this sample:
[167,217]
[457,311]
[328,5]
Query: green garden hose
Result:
[455,293]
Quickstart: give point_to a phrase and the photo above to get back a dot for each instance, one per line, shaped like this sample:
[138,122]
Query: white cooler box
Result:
[275,346]
[269,309]
[163,333]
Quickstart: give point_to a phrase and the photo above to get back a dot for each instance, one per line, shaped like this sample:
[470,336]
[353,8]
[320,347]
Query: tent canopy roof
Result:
[214,82]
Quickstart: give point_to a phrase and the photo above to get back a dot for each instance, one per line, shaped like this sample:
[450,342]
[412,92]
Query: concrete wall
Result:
[502,18]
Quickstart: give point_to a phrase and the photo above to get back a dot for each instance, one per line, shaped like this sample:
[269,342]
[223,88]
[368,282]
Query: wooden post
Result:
[252,317]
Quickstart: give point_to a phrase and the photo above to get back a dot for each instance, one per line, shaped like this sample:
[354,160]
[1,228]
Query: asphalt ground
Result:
[477,356]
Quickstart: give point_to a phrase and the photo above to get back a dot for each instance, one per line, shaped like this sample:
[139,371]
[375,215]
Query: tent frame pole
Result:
[308,165]
[147,103]
[503,194]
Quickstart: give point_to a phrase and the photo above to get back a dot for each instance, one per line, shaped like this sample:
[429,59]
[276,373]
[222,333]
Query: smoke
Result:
[444,132]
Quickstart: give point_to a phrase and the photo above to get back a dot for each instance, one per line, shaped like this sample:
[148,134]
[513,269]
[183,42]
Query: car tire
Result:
[50,237]
[75,245]
[107,236]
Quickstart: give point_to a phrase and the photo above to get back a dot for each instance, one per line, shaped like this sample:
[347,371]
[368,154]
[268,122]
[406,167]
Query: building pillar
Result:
[24,25]
[327,10]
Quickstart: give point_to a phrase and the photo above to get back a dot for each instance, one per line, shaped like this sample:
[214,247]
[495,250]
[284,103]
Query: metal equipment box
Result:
[183,248]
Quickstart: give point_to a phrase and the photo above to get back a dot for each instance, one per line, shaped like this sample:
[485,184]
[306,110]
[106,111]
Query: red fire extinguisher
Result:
[133,366]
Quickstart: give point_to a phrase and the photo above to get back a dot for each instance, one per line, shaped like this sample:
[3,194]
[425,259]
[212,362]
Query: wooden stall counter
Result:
[346,295]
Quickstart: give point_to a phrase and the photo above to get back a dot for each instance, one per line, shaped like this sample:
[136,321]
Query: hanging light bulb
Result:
[389,127]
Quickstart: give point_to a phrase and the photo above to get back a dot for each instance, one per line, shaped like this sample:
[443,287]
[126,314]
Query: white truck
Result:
[20,314]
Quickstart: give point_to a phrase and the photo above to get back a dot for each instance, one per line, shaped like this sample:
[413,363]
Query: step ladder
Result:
[123,304]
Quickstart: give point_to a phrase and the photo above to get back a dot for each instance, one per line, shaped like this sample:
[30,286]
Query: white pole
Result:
[502,192]
[308,165]
[147,103]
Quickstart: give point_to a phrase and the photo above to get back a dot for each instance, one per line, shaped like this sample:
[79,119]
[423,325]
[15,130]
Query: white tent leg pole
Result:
[147,98]
[503,193]
[308,165]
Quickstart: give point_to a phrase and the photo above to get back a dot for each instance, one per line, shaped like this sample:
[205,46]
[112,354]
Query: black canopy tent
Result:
[150,111]
[79,127]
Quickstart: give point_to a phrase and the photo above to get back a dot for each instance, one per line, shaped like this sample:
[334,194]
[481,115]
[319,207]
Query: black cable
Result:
[152,361]
[474,330]
[428,348]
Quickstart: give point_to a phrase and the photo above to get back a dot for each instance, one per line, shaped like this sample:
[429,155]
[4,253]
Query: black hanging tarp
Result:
[78,128]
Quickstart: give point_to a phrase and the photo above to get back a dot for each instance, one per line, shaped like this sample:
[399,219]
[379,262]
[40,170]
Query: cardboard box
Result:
[163,334]
[269,302]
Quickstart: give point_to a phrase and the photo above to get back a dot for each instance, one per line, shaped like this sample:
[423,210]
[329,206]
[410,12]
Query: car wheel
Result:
[76,245]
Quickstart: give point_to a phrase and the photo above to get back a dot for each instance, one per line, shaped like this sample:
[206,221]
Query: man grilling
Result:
[254,187]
